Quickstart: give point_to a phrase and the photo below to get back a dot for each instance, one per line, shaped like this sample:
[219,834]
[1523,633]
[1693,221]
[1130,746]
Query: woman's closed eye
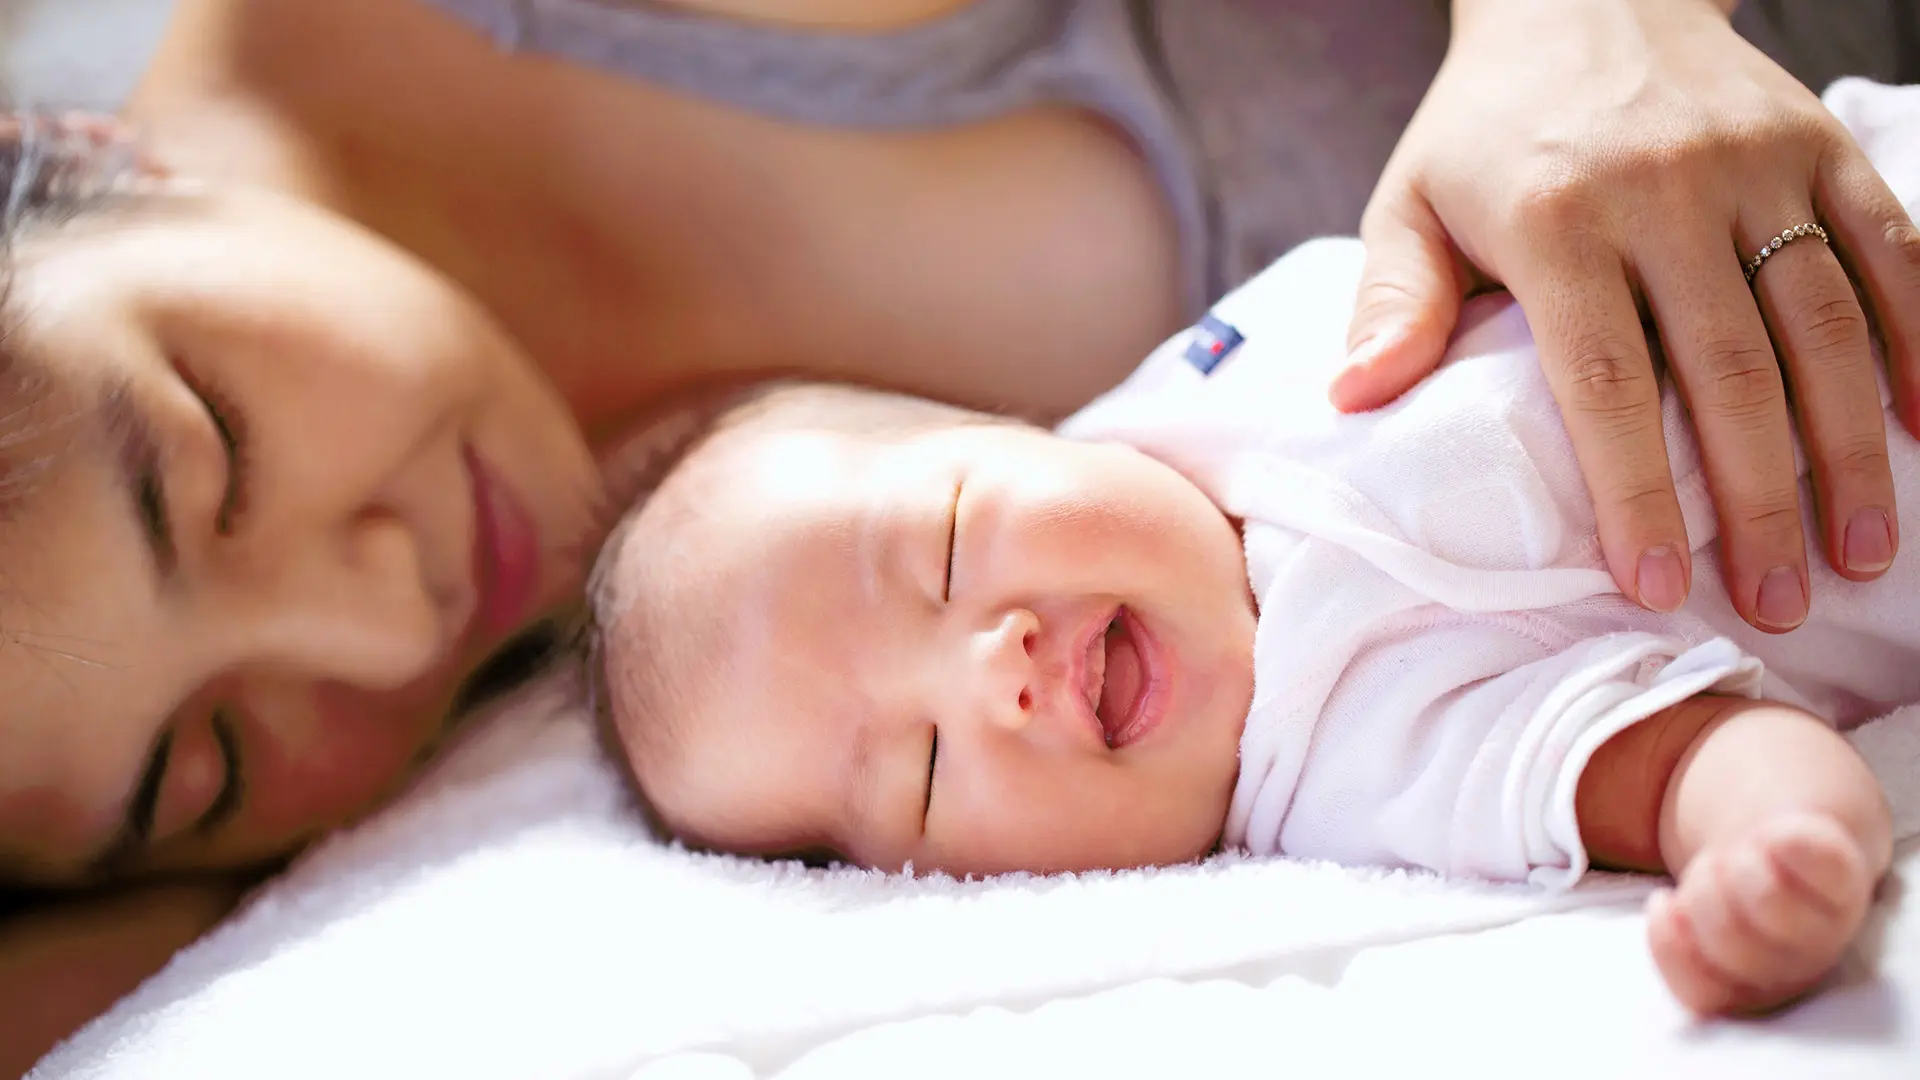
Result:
[231,425]
[191,783]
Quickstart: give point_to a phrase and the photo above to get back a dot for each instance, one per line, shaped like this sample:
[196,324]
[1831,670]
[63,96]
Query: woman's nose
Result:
[347,604]
[1003,669]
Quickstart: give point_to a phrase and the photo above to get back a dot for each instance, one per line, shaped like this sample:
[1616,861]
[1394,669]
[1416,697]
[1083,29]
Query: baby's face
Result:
[976,649]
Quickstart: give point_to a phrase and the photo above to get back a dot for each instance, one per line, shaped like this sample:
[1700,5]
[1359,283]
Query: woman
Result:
[293,485]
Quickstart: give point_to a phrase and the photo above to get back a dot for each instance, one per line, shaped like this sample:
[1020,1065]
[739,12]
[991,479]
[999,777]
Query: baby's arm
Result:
[1773,827]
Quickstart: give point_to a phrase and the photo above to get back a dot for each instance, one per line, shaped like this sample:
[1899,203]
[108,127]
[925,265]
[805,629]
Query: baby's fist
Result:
[1757,922]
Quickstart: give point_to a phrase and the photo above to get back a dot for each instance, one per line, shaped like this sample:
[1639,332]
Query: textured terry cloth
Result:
[1440,647]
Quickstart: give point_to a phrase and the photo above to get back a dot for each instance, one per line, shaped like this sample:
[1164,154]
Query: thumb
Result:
[1408,303]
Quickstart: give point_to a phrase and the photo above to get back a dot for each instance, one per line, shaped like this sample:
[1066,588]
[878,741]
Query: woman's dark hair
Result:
[54,168]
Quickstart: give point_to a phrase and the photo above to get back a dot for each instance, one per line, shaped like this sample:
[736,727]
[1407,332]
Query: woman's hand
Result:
[1605,158]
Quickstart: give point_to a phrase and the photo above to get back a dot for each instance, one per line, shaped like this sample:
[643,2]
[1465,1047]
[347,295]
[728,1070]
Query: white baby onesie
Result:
[1440,647]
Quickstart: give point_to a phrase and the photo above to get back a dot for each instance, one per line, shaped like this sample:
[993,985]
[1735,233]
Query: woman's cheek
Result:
[352,749]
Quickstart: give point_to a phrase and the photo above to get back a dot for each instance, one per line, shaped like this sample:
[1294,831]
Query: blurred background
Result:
[87,53]
[83,53]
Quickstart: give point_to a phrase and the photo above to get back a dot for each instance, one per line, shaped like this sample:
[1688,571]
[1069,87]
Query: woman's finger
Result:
[1408,302]
[1724,366]
[1818,327]
[1595,356]
[1877,240]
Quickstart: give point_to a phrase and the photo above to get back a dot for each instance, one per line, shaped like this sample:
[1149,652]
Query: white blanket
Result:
[508,919]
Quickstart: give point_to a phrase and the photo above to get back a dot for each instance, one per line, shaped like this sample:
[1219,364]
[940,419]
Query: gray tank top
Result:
[1265,122]
[1195,93]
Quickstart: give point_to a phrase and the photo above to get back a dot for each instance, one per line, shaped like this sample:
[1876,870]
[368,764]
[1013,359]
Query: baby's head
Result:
[875,629]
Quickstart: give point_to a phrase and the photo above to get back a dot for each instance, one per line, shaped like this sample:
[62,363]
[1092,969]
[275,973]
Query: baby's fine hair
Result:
[654,497]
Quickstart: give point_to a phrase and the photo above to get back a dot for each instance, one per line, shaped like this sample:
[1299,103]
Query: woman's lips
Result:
[506,556]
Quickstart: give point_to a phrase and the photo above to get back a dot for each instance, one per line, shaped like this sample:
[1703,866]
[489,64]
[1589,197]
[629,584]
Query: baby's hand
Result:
[1758,921]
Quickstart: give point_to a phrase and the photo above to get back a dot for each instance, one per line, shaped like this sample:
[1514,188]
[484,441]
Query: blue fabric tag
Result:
[1213,341]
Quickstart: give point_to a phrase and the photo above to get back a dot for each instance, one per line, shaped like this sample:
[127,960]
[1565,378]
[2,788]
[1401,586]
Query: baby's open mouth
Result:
[1116,679]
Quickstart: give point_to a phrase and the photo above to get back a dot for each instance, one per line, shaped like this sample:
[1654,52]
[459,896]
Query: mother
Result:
[288,486]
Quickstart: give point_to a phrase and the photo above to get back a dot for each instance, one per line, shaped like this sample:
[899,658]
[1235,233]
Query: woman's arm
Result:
[61,966]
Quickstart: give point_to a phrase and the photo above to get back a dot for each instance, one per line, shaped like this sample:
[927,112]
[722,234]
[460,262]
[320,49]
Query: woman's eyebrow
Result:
[137,455]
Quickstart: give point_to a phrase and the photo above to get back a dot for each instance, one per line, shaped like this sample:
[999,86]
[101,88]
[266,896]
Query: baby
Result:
[1209,611]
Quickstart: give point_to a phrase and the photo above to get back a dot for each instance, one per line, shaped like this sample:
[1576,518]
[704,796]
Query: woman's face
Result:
[274,490]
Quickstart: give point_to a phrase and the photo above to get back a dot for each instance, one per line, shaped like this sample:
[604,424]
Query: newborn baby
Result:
[862,627]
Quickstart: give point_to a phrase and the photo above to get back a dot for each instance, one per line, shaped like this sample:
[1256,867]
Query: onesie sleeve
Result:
[1456,742]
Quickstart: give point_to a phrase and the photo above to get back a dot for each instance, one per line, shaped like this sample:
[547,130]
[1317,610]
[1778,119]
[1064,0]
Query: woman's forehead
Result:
[36,423]
[80,652]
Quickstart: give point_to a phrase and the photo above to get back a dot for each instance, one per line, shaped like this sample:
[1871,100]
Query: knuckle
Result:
[1558,199]
[1765,124]
[1653,164]
[1808,123]
[1738,380]
[1833,327]
[1859,458]
[1644,499]
[1607,382]
[1902,240]
[1384,295]
[1386,211]
[1770,519]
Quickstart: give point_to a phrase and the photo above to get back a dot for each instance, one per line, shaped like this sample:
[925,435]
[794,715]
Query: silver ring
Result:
[1754,264]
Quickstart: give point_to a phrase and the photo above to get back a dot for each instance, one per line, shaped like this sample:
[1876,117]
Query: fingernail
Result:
[1370,347]
[1868,547]
[1345,393]
[1783,600]
[1661,580]
[1349,391]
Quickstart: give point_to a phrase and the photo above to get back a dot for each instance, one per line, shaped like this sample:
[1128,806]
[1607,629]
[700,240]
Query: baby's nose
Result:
[1004,672]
